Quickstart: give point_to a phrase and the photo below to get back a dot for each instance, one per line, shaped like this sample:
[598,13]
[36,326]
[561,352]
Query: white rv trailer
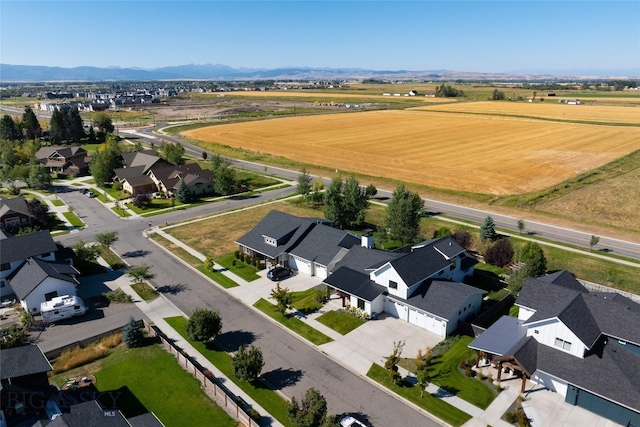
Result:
[62,307]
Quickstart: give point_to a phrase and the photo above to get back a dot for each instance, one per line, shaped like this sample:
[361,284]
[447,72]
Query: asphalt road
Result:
[292,366]
[581,239]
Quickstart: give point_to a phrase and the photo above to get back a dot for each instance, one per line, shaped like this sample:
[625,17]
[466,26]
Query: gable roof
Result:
[442,298]
[65,151]
[285,229]
[323,243]
[129,172]
[426,260]
[501,337]
[355,283]
[15,204]
[89,413]
[34,271]
[365,259]
[18,248]
[21,361]
[146,159]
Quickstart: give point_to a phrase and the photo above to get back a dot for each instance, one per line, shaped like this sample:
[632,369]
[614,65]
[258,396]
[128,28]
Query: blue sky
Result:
[475,36]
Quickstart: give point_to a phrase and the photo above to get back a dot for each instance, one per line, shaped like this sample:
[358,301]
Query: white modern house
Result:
[583,345]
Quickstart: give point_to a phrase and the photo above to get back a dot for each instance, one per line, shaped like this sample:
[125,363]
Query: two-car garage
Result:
[416,317]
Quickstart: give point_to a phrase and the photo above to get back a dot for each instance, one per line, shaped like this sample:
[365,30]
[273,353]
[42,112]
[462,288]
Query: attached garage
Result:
[396,309]
[321,270]
[418,318]
[301,265]
[603,407]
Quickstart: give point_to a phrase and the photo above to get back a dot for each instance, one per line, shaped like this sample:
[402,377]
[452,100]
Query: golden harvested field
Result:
[548,109]
[480,154]
[615,202]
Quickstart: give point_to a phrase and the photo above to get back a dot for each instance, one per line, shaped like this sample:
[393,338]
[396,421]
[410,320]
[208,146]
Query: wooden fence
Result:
[232,404]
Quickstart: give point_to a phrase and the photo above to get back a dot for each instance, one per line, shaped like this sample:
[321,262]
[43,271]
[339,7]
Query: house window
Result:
[535,331]
[565,345]
[5,266]
[270,241]
[1,283]
[393,285]
[360,303]
[452,266]
[50,295]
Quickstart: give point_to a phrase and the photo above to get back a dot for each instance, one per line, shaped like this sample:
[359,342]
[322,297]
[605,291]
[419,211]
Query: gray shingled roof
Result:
[145,158]
[17,248]
[364,259]
[501,337]
[145,420]
[125,173]
[286,229]
[33,272]
[563,278]
[616,315]
[355,283]
[612,372]
[441,298]
[426,261]
[15,204]
[92,414]
[323,243]
[23,360]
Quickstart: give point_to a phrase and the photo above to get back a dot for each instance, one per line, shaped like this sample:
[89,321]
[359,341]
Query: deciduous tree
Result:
[310,412]
[203,325]
[173,153]
[247,364]
[283,298]
[140,273]
[108,238]
[304,182]
[39,177]
[500,253]
[355,203]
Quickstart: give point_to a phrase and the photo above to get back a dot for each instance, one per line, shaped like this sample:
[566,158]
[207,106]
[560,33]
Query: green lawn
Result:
[111,258]
[445,373]
[145,291]
[246,271]
[295,324]
[305,301]
[217,277]
[159,385]
[437,407]
[57,202]
[73,219]
[265,397]
[121,212]
[340,321]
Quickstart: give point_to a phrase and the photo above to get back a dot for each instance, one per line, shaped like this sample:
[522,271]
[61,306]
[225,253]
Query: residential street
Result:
[291,366]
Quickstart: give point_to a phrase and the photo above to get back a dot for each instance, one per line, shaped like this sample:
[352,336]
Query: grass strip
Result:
[429,403]
[150,379]
[73,219]
[222,280]
[123,213]
[111,258]
[145,291]
[292,323]
[57,202]
[265,397]
[340,321]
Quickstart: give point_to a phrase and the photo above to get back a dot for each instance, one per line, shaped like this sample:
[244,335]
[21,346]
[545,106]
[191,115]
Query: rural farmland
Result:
[491,154]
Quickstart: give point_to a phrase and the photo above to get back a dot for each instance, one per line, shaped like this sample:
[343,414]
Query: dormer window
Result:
[393,285]
[270,241]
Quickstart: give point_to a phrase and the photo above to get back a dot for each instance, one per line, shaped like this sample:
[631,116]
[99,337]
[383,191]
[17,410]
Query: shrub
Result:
[511,417]
[79,356]
[11,337]
[490,378]
[118,296]
[237,254]
[500,253]
[141,201]
[468,371]
[255,415]
[320,297]
[498,388]
[480,376]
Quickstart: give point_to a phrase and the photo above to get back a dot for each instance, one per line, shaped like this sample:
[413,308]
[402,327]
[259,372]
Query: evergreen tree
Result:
[403,215]
[30,124]
[74,130]
[533,257]
[182,193]
[8,129]
[247,364]
[132,335]
[57,127]
[487,230]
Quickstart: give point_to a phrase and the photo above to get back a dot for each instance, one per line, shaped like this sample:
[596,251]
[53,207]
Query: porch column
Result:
[477,358]
[524,382]
[499,371]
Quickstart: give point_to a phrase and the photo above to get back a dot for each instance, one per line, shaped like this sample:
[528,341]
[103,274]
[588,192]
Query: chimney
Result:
[367,239]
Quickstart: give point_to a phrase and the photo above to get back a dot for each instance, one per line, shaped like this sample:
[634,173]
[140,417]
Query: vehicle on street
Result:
[279,273]
[349,421]
[63,307]
[90,194]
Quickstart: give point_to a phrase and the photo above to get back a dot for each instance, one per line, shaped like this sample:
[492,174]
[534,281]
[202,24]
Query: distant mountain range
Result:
[35,73]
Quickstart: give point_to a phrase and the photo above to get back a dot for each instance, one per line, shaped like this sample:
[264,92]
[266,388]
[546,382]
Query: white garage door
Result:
[396,309]
[436,325]
[321,271]
[418,318]
[300,265]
